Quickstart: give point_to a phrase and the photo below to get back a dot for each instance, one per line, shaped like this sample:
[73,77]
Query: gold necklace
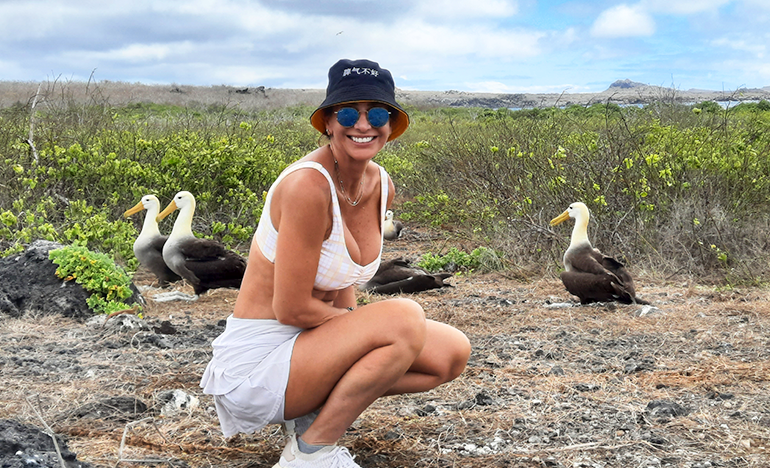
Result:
[342,187]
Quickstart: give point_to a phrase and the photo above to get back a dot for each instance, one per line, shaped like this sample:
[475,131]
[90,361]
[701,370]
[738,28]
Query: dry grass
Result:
[259,97]
[121,93]
[704,349]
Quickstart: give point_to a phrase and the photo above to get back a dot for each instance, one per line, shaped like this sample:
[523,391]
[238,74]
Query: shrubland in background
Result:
[673,189]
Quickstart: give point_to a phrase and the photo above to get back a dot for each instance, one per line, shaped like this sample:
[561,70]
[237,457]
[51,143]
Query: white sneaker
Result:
[332,456]
[299,425]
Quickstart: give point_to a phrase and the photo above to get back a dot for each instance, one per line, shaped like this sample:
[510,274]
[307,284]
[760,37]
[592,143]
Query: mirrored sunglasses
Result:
[377,116]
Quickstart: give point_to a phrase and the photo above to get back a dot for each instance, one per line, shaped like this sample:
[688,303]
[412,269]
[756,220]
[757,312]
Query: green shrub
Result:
[481,258]
[97,273]
[493,177]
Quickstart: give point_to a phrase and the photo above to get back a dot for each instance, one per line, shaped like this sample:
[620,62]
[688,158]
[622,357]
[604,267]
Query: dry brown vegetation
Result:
[121,93]
[253,98]
[682,385]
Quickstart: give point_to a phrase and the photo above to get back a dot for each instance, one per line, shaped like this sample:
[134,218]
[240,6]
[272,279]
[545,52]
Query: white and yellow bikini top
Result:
[336,270]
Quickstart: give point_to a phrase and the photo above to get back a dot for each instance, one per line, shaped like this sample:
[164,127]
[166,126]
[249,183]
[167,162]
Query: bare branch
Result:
[48,431]
[31,139]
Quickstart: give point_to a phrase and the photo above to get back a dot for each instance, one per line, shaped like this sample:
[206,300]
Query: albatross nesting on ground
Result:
[391,229]
[399,276]
[204,263]
[589,274]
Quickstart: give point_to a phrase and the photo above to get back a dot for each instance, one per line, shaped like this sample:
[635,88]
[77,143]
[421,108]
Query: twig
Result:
[674,273]
[589,446]
[132,311]
[31,139]
[559,98]
[462,417]
[49,431]
[123,445]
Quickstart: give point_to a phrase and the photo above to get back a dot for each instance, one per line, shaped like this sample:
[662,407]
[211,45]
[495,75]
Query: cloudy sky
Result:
[435,45]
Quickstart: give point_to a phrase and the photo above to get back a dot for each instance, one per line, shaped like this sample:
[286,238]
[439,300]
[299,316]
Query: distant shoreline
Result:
[251,98]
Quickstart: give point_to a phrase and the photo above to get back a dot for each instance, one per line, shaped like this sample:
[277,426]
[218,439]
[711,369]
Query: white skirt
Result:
[249,373]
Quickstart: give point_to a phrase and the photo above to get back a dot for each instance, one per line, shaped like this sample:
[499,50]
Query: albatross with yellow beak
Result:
[204,263]
[589,274]
[148,247]
[391,229]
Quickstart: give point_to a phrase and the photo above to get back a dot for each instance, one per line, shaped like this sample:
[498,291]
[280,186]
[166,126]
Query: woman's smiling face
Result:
[362,139]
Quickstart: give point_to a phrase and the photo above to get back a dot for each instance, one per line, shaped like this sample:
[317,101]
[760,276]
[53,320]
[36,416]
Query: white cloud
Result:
[762,4]
[752,47]
[623,21]
[750,70]
[15,21]
[478,40]
[134,53]
[438,44]
[464,9]
[682,7]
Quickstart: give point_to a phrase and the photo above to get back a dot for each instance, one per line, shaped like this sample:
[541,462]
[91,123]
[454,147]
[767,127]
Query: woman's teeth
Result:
[362,140]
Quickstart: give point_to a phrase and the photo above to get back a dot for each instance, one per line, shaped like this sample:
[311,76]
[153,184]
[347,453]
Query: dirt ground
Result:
[549,383]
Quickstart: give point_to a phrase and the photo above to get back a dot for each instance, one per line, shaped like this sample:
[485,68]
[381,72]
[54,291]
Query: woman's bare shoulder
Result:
[303,183]
[304,196]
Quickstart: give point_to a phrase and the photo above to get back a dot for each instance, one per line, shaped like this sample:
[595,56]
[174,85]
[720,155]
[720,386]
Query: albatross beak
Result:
[167,211]
[136,209]
[560,219]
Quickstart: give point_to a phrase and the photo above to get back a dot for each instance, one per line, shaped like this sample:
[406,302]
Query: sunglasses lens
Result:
[378,116]
[347,116]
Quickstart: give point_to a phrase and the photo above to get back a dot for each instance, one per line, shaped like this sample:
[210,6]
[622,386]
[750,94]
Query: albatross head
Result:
[579,212]
[389,215]
[183,200]
[148,202]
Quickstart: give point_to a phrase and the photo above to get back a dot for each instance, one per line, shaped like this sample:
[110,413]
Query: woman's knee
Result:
[458,359]
[406,322]
[455,352]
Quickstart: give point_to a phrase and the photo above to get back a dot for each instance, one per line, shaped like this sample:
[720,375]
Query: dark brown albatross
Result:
[148,247]
[398,276]
[204,263]
[589,274]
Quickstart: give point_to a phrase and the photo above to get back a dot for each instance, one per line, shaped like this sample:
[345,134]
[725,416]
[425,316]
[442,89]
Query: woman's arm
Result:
[301,211]
[346,299]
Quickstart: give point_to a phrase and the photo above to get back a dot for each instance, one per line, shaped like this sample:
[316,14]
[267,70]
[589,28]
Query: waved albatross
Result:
[589,274]
[204,263]
[391,229]
[148,247]
[398,276]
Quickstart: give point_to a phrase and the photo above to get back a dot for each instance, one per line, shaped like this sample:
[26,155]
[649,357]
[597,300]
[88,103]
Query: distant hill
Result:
[626,84]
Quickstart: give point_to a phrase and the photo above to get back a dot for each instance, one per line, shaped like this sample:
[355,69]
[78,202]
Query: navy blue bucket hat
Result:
[361,80]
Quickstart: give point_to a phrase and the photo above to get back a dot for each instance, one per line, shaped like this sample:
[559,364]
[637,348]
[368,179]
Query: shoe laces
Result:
[343,459]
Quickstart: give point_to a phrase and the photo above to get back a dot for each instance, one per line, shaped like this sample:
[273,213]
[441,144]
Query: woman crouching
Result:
[296,349]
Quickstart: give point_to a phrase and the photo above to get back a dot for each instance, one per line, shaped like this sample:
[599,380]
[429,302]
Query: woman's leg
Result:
[349,365]
[441,360]
[350,361]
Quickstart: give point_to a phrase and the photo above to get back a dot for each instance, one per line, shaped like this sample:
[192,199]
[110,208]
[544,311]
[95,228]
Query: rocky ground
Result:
[549,383]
